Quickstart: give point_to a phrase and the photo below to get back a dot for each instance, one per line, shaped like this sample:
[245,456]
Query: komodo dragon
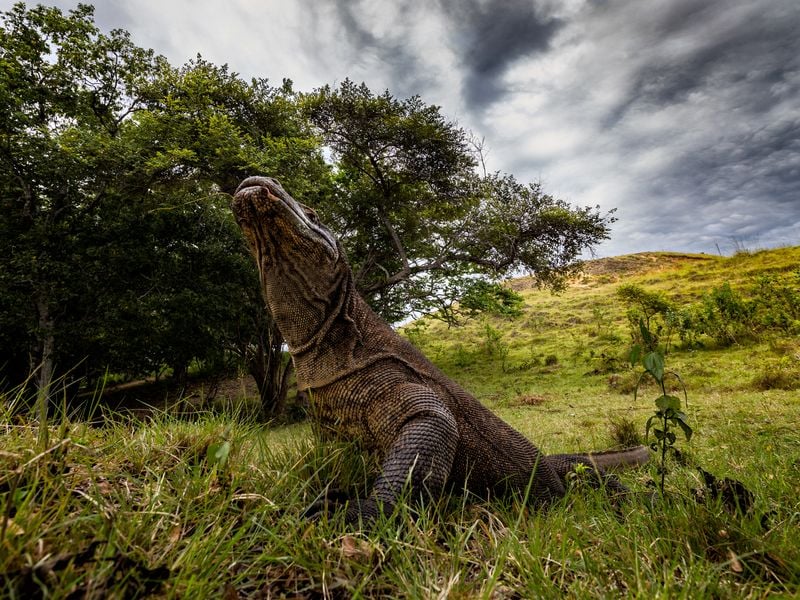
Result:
[370,385]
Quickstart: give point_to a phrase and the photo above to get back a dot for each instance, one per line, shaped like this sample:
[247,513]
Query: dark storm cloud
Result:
[733,72]
[485,37]
[753,56]
[757,170]
[740,190]
[489,37]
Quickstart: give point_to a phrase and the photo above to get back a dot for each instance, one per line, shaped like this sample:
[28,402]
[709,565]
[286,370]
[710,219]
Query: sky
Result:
[683,115]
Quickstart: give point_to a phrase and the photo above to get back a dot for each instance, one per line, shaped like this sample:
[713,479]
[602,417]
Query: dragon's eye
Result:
[312,215]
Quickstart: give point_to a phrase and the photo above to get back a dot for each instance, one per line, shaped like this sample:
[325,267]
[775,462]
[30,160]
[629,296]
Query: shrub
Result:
[727,317]
[416,332]
[462,357]
[491,297]
[777,303]
[777,377]
[651,308]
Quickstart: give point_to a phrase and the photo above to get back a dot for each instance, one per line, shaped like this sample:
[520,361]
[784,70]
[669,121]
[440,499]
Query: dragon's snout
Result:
[253,196]
[269,183]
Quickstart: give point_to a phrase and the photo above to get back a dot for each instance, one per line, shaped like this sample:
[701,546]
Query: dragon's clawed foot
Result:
[327,504]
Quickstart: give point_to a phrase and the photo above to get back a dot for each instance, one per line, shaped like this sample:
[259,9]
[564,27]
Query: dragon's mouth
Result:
[259,200]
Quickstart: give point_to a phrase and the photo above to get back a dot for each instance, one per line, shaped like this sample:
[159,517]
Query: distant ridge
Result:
[615,269]
[642,262]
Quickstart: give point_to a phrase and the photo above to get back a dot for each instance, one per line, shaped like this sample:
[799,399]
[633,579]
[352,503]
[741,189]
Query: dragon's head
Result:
[300,262]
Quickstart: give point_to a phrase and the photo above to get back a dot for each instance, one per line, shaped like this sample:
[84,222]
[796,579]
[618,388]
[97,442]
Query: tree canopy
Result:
[422,228]
[117,249]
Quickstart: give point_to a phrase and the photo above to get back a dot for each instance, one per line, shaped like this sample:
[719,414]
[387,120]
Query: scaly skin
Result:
[370,385]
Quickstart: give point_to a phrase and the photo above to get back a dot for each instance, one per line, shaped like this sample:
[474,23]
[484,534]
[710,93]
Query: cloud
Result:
[681,114]
[373,42]
[702,47]
[489,37]
[421,47]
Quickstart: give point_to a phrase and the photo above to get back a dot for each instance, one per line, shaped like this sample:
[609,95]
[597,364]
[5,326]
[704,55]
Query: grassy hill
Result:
[211,507]
[567,354]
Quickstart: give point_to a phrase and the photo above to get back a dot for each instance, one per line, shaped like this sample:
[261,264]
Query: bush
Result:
[726,317]
[462,357]
[550,360]
[777,377]
[651,308]
[493,298]
[778,303]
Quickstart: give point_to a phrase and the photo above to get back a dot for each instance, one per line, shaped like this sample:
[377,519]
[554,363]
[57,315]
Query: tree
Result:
[420,226]
[516,226]
[215,129]
[65,93]
[119,250]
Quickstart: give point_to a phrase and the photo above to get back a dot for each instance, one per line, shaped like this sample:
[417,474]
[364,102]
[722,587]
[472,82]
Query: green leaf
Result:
[646,335]
[665,403]
[687,431]
[635,355]
[217,454]
[683,385]
[648,425]
[654,363]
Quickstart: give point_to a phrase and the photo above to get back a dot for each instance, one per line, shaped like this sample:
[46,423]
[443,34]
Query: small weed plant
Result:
[495,346]
[669,414]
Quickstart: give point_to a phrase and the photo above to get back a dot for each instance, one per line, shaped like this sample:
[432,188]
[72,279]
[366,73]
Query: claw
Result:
[326,503]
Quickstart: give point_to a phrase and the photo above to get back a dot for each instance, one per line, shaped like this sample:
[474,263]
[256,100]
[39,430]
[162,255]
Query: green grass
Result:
[137,508]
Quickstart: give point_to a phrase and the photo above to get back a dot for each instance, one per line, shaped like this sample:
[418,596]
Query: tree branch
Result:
[403,274]
[396,241]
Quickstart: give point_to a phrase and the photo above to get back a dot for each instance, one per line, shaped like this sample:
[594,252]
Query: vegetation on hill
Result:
[213,507]
[584,334]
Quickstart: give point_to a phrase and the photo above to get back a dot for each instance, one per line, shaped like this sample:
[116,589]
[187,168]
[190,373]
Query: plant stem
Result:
[664,454]
[663,440]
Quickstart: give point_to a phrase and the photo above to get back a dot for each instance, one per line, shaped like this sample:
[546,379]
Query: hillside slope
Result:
[565,356]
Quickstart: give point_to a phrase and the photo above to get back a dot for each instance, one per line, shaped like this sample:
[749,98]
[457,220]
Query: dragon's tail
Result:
[619,459]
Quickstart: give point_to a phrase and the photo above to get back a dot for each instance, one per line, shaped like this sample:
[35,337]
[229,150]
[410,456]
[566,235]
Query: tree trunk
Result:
[271,371]
[45,367]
